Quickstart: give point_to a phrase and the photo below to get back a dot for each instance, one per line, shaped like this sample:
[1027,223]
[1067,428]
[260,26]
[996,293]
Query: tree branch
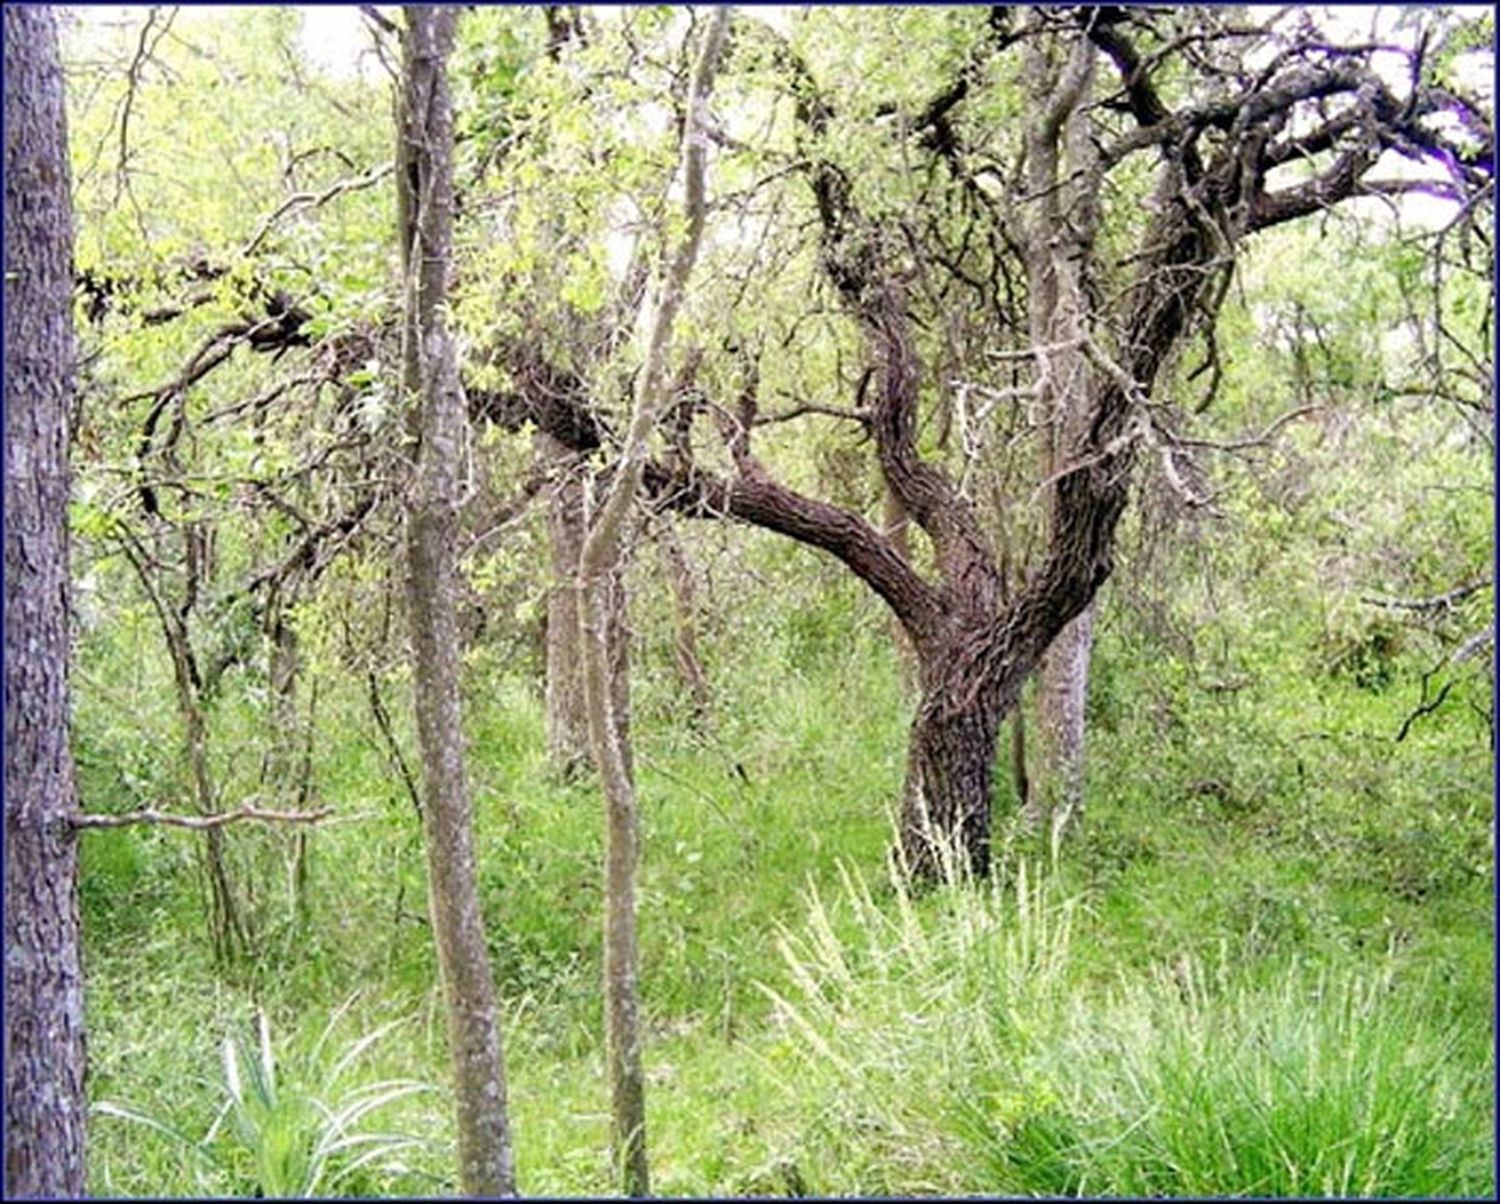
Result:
[314,200]
[1439,602]
[202,822]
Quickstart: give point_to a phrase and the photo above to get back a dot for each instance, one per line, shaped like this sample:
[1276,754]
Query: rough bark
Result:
[431,382]
[895,521]
[44,1036]
[945,818]
[599,570]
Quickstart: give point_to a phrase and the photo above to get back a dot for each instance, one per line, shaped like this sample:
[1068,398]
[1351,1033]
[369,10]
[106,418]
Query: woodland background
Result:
[1258,957]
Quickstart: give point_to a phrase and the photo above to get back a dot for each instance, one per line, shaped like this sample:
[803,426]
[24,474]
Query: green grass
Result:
[959,1045]
[1263,966]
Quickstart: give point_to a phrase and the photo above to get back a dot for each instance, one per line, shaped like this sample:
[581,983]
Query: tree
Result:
[600,561]
[44,1038]
[927,204]
[438,426]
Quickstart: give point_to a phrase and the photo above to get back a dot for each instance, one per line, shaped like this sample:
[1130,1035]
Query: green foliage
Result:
[1263,966]
[956,1044]
[291,1135]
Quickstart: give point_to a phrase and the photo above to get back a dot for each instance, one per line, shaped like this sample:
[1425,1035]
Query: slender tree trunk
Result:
[226,926]
[44,1041]
[679,574]
[431,382]
[622,1025]
[1059,150]
[600,567]
[1061,702]
[226,930]
[287,768]
[567,718]
[567,712]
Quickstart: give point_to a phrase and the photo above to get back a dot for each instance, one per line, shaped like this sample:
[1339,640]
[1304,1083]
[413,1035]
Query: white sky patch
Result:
[336,39]
[1353,24]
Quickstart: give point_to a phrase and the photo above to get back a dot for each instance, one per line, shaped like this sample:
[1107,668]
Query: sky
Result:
[334,36]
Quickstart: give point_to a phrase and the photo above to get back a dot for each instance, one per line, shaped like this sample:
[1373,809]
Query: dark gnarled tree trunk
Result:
[44,1050]
[946,803]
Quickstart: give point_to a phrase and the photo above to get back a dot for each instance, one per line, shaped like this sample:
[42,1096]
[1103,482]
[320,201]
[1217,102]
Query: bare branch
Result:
[1259,440]
[1439,602]
[200,823]
[812,407]
[315,200]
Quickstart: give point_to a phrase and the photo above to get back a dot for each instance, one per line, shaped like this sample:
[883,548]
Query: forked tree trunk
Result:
[431,383]
[599,571]
[1097,344]
[44,1047]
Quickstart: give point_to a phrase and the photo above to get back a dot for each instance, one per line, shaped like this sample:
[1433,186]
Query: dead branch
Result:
[1439,602]
[201,822]
[315,200]
[1259,440]
[809,407]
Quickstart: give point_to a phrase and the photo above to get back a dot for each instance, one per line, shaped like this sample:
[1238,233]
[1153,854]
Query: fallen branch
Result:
[1440,602]
[201,822]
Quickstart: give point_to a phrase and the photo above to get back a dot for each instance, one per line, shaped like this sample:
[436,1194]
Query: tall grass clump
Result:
[952,1041]
[1320,1084]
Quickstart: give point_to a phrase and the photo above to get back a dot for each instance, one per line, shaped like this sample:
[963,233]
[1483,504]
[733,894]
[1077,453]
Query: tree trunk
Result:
[1061,702]
[1059,152]
[567,712]
[430,379]
[679,574]
[567,718]
[599,572]
[44,1042]
[945,818]
[227,931]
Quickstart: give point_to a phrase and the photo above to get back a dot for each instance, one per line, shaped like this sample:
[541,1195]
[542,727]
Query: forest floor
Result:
[1264,966]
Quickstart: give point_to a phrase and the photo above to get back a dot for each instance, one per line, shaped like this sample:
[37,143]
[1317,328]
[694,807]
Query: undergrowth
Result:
[1263,966]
